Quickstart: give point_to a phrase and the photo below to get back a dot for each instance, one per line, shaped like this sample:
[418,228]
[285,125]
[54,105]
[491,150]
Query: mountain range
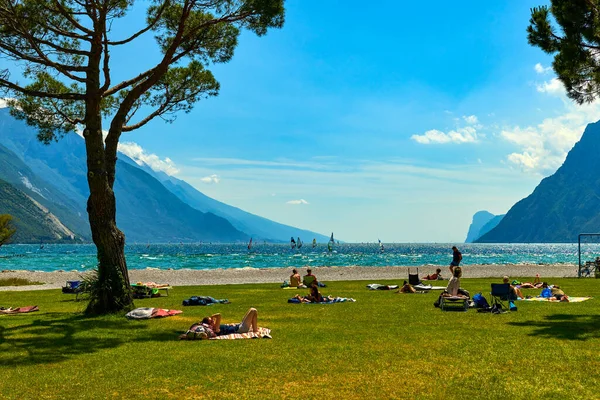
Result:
[151,206]
[562,205]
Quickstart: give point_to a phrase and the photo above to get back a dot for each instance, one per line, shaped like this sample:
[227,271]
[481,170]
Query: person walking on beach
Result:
[456,258]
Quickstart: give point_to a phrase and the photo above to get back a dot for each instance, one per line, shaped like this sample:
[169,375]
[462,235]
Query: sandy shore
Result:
[53,280]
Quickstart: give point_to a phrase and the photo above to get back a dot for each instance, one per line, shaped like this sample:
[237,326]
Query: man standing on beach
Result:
[456,257]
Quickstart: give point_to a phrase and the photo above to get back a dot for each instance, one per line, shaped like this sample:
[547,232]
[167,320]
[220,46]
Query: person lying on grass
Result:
[213,327]
[406,288]
[433,277]
[515,291]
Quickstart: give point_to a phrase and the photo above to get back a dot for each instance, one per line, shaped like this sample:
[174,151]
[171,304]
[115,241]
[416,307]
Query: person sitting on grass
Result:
[313,296]
[295,278]
[406,288]
[309,278]
[515,291]
[454,282]
[433,277]
[213,325]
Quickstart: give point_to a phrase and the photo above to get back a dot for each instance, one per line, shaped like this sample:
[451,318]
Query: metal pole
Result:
[579,253]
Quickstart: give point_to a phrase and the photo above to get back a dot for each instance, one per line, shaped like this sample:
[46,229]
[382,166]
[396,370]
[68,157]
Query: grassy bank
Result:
[385,345]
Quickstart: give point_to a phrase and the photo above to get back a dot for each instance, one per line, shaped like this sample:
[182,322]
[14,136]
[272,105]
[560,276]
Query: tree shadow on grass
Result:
[61,336]
[564,326]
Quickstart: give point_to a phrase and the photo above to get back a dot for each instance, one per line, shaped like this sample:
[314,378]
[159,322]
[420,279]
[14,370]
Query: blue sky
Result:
[373,120]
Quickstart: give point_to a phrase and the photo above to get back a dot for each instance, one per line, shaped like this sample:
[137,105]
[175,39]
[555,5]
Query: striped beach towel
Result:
[553,300]
[262,333]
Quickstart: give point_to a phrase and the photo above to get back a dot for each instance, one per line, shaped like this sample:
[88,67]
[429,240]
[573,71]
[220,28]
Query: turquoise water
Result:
[211,256]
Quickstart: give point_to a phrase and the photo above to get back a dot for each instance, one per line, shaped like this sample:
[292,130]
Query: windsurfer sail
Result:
[331,243]
[380,246]
[292,243]
[299,242]
[314,243]
[250,244]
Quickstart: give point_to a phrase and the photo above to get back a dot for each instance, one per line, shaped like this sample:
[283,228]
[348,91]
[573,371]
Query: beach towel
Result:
[18,310]
[149,312]
[377,286]
[294,300]
[429,287]
[295,287]
[554,300]
[264,333]
[203,301]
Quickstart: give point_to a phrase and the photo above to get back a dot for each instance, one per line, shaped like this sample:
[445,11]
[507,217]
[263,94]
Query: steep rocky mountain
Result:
[151,206]
[482,223]
[562,205]
[34,222]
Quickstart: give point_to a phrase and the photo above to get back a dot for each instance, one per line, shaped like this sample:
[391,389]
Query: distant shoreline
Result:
[232,276]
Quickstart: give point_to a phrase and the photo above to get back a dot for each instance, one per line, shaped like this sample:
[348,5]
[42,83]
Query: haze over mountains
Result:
[151,206]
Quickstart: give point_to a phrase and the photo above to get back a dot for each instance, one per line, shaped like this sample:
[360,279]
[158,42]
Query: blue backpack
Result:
[480,301]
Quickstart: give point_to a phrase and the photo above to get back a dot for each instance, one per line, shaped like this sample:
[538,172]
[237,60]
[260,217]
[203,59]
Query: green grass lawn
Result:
[385,345]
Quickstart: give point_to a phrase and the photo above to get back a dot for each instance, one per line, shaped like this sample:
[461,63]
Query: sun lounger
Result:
[459,303]
[145,290]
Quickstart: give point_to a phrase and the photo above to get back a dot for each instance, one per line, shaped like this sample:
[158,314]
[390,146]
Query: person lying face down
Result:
[433,277]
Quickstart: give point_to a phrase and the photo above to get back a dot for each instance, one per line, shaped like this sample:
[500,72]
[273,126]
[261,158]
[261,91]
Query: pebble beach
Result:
[232,276]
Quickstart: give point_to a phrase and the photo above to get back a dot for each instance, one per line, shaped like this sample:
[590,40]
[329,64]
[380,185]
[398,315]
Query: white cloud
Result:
[467,134]
[139,155]
[471,119]
[540,69]
[301,201]
[544,147]
[211,179]
[552,87]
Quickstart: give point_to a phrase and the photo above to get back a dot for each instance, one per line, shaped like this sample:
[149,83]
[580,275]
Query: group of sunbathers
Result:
[551,292]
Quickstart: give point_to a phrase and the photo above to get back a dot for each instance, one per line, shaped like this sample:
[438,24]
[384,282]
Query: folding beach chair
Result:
[413,279]
[500,292]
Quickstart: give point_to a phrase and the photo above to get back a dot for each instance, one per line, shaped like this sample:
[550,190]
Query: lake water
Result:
[210,256]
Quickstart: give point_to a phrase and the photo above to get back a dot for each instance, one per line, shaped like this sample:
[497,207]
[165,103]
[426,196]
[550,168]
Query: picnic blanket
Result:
[377,286]
[554,300]
[429,287]
[264,333]
[327,301]
[18,310]
[149,312]
[203,301]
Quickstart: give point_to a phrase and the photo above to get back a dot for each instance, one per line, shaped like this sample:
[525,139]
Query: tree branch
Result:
[35,93]
[142,31]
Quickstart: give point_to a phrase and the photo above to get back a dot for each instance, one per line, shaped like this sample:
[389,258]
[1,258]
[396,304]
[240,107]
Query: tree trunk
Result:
[112,292]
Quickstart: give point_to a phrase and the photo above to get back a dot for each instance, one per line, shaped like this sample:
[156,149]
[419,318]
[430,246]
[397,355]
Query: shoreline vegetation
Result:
[236,276]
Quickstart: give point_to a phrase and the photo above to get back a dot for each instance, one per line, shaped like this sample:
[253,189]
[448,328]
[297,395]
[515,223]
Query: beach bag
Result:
[546,292]
[480,301]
